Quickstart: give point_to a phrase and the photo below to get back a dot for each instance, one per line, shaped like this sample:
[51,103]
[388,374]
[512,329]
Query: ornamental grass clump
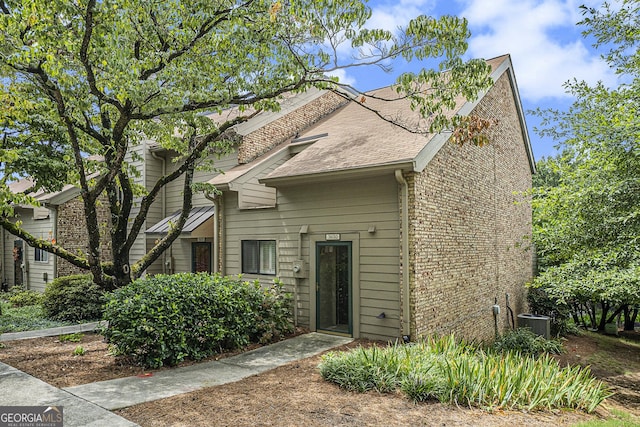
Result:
[452,371]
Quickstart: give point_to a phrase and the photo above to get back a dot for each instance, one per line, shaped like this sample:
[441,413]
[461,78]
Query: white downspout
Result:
[216,218]
[2,260]
[164,207]
[54,232]
[406,308]
[25,265]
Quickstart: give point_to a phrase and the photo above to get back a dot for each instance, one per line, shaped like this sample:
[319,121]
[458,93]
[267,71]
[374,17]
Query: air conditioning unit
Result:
[540,325]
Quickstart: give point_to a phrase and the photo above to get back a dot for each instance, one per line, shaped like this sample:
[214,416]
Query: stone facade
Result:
[274,133]
[73,236]
[468,245]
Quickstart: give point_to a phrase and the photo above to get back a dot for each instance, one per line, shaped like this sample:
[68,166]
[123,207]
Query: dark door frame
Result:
[195,245]
[354,238]
[338,303]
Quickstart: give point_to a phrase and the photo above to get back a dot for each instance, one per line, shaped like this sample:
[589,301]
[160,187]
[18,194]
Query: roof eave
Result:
[60,198]
[336,175]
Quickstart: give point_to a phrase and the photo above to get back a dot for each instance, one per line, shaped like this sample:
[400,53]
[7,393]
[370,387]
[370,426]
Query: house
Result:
[382,233]
[378,232]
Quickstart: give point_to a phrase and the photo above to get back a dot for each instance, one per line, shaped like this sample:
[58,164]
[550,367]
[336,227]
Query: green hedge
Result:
[164,319]
[73,298]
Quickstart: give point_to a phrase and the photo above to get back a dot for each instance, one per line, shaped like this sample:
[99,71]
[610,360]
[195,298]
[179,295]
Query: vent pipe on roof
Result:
[406,313]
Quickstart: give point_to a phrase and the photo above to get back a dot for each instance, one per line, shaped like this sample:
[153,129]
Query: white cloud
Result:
[543,40]
[390,16]
[386,15]
[343,77]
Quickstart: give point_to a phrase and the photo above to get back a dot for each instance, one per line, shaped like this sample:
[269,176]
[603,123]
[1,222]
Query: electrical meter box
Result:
[300,270]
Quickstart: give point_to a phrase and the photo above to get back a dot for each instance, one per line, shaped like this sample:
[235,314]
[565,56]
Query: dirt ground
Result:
[295,394]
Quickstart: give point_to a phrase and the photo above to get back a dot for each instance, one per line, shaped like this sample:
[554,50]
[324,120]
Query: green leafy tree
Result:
[82,80]
[587,200]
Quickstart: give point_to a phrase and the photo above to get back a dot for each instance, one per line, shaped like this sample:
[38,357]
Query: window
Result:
[40,255]
[259,257]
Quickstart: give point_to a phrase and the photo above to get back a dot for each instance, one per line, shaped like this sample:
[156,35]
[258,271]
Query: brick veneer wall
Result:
[73,236]
[467,242]
[266,137]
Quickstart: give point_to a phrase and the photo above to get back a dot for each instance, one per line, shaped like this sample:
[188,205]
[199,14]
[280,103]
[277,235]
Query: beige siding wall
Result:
[33,275]
[348,208]
[175,189]
[252,194]
[466,229]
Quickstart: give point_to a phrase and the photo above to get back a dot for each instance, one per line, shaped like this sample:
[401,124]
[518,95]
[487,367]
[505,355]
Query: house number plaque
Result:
[332,236]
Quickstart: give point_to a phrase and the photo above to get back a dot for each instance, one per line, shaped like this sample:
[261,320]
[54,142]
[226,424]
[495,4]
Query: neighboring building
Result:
[377,231]
[60,218]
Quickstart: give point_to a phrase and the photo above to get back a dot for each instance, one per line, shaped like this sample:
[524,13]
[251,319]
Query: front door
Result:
[18,260]
[334,287]
[201,257]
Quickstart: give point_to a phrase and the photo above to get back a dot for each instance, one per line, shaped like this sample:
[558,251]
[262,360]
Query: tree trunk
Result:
[575,316]
[630,318]
[603,318]
[612,317]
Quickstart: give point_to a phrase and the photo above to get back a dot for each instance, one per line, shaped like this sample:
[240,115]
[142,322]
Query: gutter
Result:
[336,175]
[406,308]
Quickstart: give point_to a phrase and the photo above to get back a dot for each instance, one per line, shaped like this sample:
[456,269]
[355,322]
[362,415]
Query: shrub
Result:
[25,298]
[525,341]
[163,319]
[541,303]
[73,298]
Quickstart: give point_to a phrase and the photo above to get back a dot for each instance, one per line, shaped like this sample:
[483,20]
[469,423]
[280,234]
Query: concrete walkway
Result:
[20,389]
[123,392]
[89,404]
[51,332]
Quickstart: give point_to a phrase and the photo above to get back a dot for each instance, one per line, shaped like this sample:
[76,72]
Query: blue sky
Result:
[546,47]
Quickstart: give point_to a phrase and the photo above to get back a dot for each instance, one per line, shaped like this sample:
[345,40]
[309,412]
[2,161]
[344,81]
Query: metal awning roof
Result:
[197,217]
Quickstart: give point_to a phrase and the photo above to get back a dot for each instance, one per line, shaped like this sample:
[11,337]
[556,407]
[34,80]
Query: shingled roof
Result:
[358,139]
[355,140]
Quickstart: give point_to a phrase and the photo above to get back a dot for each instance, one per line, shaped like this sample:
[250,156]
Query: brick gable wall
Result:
[272,134]
[73,236]
[467,231]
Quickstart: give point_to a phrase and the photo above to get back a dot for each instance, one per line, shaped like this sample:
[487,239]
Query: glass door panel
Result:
[333,287]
